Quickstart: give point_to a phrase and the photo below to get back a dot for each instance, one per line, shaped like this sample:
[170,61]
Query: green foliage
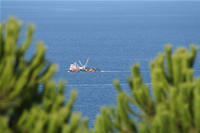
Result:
[29,100]
[174,106]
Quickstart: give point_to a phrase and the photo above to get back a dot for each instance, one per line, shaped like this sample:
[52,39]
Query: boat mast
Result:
[86,63]
[80,63]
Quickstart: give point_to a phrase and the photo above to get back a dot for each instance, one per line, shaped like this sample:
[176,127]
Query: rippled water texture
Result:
[113,34]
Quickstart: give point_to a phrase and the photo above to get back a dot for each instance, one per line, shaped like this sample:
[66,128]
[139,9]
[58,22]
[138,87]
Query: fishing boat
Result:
[75,68]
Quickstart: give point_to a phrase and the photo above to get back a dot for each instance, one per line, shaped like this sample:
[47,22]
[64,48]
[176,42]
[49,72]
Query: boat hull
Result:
[84,70]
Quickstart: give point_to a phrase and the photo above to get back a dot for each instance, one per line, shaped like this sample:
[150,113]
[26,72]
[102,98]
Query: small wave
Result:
[81,85]
[93,85]
[89,85]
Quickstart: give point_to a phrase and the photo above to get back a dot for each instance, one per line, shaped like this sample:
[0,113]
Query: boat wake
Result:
[113,71]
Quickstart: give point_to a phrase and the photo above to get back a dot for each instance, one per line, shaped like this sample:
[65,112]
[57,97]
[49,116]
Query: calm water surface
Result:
[114,35]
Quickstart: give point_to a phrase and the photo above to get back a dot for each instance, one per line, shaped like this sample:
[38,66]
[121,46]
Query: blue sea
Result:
[113,34]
